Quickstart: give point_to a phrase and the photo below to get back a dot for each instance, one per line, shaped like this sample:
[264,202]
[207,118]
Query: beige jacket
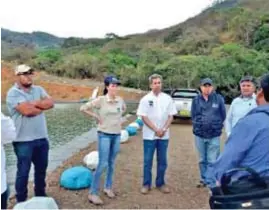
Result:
[110,112]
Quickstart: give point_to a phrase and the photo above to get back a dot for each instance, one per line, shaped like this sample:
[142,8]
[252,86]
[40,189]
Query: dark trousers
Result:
[35,151]
[4,197]
[149,148]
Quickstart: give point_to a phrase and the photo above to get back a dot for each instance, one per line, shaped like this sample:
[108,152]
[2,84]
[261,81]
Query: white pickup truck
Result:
[183,100]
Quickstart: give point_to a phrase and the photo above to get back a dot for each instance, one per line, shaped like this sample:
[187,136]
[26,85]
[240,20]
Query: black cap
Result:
[247,79]
[111,80]
[206,81]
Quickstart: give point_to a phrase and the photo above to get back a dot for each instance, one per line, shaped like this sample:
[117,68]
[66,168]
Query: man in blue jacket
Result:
[208,114]
[248,144]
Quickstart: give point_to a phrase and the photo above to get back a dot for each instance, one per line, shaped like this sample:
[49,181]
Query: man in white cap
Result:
[26,104]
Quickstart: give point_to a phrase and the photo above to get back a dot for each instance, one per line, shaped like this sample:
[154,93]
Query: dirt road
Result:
[182,176]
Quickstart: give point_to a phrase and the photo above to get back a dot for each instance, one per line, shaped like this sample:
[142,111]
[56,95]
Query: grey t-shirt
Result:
[27,128]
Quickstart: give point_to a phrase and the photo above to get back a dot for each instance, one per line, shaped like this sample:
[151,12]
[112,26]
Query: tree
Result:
[244,24]
[20,54]
[261,38]
[80,66]
[234,61]
[115,36]
[46,58]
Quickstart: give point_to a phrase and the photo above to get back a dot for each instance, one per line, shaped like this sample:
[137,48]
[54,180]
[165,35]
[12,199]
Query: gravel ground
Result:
[181,176]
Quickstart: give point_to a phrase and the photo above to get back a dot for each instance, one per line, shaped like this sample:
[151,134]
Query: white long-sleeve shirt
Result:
[8,134]
[240,106]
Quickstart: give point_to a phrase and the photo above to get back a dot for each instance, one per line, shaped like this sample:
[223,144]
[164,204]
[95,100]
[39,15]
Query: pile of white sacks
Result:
[91,159]
[37,203]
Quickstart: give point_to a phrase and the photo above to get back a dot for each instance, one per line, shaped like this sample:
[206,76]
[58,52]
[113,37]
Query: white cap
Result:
[22,68]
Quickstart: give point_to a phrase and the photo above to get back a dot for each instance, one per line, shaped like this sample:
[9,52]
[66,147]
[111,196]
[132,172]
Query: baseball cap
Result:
[206,81]
[111,80]
[247,79]
[22,69]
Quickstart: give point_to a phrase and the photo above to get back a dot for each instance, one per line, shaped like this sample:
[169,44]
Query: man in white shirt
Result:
[8,134]
[157,110]
[241,105]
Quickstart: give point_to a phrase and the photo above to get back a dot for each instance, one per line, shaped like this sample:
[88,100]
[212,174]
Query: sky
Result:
[95,18]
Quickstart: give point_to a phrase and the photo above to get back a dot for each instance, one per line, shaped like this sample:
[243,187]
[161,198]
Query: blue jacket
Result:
[208,116]
[247,146]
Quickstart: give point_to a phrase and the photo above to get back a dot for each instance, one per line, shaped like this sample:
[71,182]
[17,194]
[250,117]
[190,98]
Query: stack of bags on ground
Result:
[37,203]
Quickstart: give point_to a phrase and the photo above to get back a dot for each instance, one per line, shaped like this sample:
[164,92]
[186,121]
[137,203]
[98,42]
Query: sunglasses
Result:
[26,73]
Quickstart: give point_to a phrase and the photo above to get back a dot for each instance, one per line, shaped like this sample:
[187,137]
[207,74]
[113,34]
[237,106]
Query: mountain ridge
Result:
[225,41]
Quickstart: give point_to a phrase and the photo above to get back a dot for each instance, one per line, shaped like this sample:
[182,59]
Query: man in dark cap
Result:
[241,105]
[248,144]
[208,114]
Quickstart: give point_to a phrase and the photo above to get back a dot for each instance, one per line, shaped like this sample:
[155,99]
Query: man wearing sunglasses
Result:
[26,104]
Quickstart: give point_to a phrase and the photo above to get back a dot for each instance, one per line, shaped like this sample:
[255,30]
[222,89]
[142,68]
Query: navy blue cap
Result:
[265,82]
[247,79]
[206,81]
[111,80]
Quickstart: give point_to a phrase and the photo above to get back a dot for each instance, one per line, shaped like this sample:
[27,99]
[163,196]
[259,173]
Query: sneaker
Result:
[95,199]
[145,190]
[109,193]
[201,184]
[164,189]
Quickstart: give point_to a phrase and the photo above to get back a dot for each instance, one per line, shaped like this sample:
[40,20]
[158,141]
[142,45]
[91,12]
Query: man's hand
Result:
[28,109]
[43,104]
[34,103]
[150,124]
[160,133]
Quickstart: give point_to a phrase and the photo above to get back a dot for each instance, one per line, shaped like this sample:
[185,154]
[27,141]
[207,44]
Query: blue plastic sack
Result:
[75,178]
[131,130]
[139,122]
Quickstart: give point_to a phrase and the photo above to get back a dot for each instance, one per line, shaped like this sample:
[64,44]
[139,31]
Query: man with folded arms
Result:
[26,104]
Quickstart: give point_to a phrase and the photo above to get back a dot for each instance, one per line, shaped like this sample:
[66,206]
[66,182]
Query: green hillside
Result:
[225,41]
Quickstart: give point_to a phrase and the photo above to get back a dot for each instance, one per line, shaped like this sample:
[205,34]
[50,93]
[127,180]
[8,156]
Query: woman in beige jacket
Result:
[109,109]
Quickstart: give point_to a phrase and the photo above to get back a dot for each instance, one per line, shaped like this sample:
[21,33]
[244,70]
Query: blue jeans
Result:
[108,148]
[35,151]
[149,148]
[209,150]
